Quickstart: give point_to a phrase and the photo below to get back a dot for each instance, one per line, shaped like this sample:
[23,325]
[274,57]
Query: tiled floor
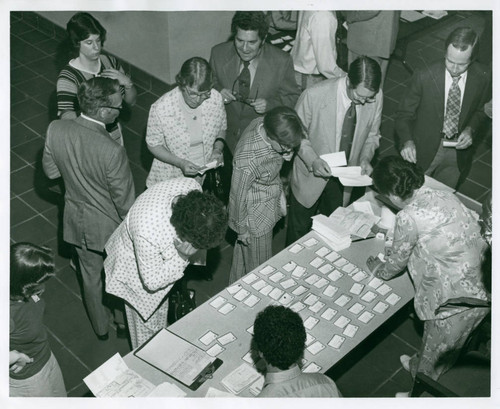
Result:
[373,369]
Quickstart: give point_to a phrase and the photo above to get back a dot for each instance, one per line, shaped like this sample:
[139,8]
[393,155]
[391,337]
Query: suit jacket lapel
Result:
[261,74]
[231,67]
[470,89]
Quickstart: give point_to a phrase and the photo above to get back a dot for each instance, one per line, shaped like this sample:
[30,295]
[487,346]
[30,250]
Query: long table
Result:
[338,328]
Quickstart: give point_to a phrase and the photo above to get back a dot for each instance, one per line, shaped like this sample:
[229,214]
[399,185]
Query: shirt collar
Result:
[283,376]
[93,120]
[463,77]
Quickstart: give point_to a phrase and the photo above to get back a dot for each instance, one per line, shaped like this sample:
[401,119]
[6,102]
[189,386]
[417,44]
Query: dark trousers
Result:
[299,217]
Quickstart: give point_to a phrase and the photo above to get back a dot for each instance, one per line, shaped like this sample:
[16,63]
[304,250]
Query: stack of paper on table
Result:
[355,222]
[338,237]
[115,379]
[240,378]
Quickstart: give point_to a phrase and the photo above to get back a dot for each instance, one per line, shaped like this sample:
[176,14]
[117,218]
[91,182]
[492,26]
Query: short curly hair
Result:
[95,92]
[394,175]
[279,334]
[30,265]
[200,219]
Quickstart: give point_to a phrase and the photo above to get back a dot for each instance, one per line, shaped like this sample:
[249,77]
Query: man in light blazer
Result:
[98,182]
[420,117]
[322,109]
[272,76]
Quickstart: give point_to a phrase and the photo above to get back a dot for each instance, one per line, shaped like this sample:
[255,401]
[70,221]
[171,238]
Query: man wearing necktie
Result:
[443,103]
[341,114]
[99,186]
[252,76]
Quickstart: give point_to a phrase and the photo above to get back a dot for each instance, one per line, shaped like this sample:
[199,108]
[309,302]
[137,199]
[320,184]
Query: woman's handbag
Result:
[181,301]
[218,181]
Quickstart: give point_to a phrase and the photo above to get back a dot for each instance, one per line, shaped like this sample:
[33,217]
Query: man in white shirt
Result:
[444,102]
[315,51]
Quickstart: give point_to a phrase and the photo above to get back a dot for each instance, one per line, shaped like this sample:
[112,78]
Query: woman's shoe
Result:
[405,362]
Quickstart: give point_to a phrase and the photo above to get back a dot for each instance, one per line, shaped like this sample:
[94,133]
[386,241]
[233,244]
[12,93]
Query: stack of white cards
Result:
[336,236]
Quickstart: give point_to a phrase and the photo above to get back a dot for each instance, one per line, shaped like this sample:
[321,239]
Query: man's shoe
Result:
[402,394]
[121,331]
[405,362]
[103,337]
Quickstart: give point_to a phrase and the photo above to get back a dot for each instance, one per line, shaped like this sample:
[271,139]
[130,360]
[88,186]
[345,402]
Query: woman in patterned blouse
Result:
[87,37]
[438,239]
[187,125]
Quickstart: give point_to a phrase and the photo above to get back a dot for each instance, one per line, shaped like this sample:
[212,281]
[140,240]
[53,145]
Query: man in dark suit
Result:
[444,102]
[98,182]
[270,72]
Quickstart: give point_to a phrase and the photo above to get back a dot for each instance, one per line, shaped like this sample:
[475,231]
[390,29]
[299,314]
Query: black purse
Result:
[181,301]
[218,181]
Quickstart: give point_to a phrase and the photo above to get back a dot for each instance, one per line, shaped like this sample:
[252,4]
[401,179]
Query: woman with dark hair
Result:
[149,251]
[187,125]
[256,200]
[34,371]
[87,38]
[438,239]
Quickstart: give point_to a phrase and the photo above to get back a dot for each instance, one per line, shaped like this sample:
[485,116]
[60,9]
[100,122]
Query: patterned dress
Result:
[167,127]
[70,79]
[142,263]
[254,200]
[439,240]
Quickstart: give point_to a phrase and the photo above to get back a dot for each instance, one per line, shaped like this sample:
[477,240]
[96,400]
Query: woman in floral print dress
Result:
[438,239]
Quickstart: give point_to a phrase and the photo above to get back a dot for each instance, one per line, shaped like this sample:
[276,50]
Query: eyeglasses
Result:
[120,108]
[284,150]
[194,94]
[361,98]
[236,93]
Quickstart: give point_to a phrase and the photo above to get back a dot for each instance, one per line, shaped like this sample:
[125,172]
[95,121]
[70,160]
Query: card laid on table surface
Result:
[215,350]
[300,290]
[350,330]
[252,300]
[276,293]
[289,266]
[250,278]
[337,341]
[267,270]
[325,269]
[359,275]
[342,300]
[332,256]
[321,282]
[258,285]
[315,348]
[328,314]
[381,307]
[276,277]
[295,248]
[310,322]
[227,308]
[241,295]
[234,289]
[310,299]
[312,368]
[317,306]
[298,306]
[356,308]
[342,321]
[384,289]
[330,290]
[375,282]
[288,283]
[226,338]
[356,288]
[317,262]
[298,271]
[218,302]
[266,290]
[366,316]
[312,279]
[393,298]
[310,242]
[335,275]
[208,338]
[369,296]
[323,251]
[286,299]
[309,339]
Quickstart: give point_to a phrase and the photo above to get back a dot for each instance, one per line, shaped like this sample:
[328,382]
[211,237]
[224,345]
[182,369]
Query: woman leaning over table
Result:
[439,240]
[87,38]
[256,200]
[150,249]
[187,125]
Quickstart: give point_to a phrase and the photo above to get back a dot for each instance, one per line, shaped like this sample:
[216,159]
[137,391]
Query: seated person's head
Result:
[249,30]
[280,336]
[285,129]
[195,80]
[199,219]
[395,177]
[101,99]
[364,78]
[30,266]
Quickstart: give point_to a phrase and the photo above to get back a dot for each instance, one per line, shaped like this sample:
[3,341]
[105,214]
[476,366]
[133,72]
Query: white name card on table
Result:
[114,379]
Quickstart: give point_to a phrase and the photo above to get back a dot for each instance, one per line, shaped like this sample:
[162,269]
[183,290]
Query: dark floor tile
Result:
[145,100]
[30,151]
[135,146]
[410,331]
[36,230]
[20,27]
[53,216]
[37,88]
[472,190]
[138,121]
[17,96]
[139,175]
[430,54]
[33,36]
[396,93]
[72,368]
[62,254]
[140,77]
[481,173]
[22,180]
[19,211]
[20,134]
[16,162]
[22,73]
[485,157]
[39,123]
[41,201]
[27,109]
[401,381]
[46,67]
[387,130]
[360,381]
[69,278]
[26,53]
[385,145]
[397,72]
[51,46]
[15,16]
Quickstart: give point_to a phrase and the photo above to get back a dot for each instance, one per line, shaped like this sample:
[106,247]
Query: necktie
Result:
[244,81]
[348,127]
[450,126]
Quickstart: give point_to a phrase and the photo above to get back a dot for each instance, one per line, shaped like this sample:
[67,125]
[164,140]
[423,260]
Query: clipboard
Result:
[186,363]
